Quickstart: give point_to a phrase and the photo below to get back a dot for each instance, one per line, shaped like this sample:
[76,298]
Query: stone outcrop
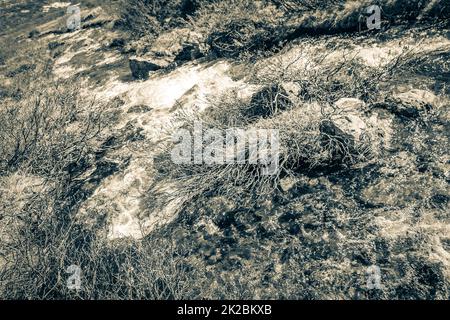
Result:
[412,103]
[141,66]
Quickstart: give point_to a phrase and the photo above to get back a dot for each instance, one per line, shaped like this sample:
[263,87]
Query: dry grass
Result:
[150,17]
[304,119]
[51,137]
[244,29]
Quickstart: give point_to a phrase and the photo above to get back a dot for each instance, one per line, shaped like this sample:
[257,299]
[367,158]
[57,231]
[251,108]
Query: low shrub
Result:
[48,128]
[49,139]
[297,102]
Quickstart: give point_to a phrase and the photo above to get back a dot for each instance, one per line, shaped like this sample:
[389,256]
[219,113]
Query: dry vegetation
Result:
[303,117]
[51,138]
[243,29]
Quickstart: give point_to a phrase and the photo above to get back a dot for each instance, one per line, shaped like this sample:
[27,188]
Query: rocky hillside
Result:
[86,123]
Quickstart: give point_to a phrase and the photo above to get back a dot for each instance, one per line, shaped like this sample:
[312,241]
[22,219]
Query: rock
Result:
[350,104]
[363,133]
[350,117]
[412,103]
[190,51]
[174,46]
[141,108]
[140,67]
[346,123]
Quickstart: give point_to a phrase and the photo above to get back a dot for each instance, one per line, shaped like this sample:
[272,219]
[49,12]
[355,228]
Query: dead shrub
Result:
[48,128]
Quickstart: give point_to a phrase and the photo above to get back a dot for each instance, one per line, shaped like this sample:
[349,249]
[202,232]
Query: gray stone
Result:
[350,104]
